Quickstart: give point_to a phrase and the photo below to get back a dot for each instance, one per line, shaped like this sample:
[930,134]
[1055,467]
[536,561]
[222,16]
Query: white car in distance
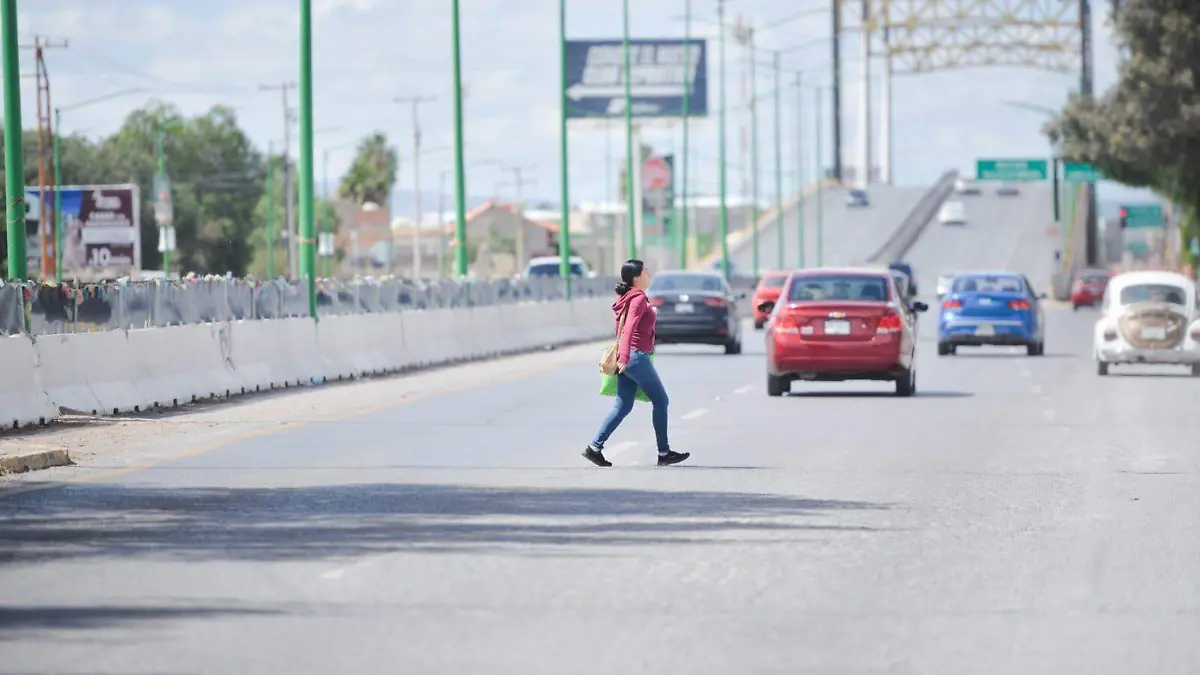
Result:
[944,283]
[966,186]
[952,213]
[1148,317]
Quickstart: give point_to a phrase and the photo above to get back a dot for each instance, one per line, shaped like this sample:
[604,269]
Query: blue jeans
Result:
[639,373]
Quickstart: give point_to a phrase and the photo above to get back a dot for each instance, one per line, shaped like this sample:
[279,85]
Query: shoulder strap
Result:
[621,322]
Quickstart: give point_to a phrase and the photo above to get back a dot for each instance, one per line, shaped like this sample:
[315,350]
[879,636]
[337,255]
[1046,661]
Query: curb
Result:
[34,461]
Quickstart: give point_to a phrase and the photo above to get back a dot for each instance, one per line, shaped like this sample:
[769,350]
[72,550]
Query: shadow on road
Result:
[302,523]
[878,394]
[1011,355]
[15,619]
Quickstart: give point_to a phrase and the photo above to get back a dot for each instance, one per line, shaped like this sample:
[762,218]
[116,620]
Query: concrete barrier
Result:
[23,399]
[114,372]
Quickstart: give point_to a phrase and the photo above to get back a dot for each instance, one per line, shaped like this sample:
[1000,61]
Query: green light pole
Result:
[778,165]
[820,185]
[270,212]
[564,230]
[308,262]
[460,178]
[58,222]
[631,225]
[687,110]
[801,202]
[724,208]
[14,162]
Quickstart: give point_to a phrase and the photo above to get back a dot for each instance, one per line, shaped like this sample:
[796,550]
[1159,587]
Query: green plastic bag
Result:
[608,386]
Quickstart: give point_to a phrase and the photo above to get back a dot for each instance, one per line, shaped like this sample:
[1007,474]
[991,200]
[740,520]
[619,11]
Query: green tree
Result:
[372,174]
[1145,131]
[268,211]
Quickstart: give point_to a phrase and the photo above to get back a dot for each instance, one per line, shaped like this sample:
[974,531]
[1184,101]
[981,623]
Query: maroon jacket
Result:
[639,324]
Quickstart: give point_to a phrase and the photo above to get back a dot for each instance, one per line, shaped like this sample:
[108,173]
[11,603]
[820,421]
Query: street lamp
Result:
[1049,112]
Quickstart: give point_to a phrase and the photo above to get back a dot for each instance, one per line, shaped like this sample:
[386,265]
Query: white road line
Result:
[698,412]
[742,390]
[1050,414]
[1037,388]
[334,574]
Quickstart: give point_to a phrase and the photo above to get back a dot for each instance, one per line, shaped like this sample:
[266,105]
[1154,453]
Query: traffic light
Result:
[1124,217]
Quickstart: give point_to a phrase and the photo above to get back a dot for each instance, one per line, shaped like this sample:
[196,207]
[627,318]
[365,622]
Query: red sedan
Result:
[834,325]
[1088,289]
[768,290]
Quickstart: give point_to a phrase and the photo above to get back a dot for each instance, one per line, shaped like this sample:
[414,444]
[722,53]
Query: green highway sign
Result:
[1142,215]
[1012,169]
[1078,172]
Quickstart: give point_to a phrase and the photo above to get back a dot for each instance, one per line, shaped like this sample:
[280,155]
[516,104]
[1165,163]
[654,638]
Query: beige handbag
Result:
[612,355]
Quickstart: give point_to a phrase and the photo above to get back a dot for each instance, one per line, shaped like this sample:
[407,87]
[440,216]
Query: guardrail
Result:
[48,309]
[903,238]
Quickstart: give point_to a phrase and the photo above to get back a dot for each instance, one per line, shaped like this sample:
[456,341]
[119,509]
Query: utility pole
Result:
[416,102]
[630,191]
[289,223]
[58,221]
[1092,248]
[778,164]
[270,213]
[441,249]
[14,169]
[519,182]
[460,176]
[307,249]
[724,209]
[45,144]
[836,46]
[820,185]
[564,164]
[800,204]
[687,112]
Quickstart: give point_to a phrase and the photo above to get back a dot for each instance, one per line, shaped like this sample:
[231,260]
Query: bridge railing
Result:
[46,309]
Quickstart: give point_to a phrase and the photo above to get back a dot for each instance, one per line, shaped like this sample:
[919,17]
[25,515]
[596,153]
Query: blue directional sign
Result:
[662,74]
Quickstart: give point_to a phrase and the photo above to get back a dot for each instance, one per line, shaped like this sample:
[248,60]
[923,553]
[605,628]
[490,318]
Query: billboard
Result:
[662,72]
[101,227]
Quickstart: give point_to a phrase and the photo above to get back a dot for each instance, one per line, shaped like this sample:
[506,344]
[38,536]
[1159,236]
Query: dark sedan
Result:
[696,308]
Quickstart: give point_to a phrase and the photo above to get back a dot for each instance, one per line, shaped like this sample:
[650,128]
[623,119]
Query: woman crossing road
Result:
[634,368]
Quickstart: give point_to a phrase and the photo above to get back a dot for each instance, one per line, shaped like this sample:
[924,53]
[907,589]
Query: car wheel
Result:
[1074,308]
[758,325]
[734,347]
[1033,349]
[1102,368]
[1196,370]
[906,384]
[945,349]
[777,386]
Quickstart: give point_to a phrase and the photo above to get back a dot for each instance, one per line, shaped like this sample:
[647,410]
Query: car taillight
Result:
[952,304]
[714,302]
[786,324]
[1020,305]
[889,323]
[1196,333]
[657,302]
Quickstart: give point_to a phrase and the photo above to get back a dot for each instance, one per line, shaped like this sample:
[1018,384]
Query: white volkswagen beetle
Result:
[1149,317]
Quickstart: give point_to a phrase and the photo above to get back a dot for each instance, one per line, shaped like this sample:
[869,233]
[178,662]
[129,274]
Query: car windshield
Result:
[1153,293]
[997,284]
[774,281]
[550,269]
[838,287]
[697,283]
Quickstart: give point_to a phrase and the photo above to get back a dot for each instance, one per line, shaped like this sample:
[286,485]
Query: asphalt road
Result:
[1019,515]
[849,234]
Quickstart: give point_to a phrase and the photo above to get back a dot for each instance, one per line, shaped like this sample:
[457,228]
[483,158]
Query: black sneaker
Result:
[671,457]
[595,456]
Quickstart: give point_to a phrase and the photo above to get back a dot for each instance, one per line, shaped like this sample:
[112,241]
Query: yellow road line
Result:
[288,426]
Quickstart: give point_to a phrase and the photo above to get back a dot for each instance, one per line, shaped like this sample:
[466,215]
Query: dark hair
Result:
[631,270]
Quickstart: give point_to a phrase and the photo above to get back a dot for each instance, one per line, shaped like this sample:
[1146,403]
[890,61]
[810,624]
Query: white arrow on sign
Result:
[579,91]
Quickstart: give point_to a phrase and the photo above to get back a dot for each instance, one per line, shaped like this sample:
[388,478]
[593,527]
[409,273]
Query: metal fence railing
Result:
[45,309]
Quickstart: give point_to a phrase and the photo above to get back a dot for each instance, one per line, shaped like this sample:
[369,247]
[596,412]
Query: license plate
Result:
[684,308]
[837,327]
[985,301]
[985,329]
[1154,333]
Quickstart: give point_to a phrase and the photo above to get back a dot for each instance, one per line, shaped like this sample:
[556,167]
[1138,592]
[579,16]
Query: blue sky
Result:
[369,52]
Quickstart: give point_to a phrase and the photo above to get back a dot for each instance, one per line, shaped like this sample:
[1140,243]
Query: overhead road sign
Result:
[1013,170]
[1079,172]
[662,74]
[1142,216]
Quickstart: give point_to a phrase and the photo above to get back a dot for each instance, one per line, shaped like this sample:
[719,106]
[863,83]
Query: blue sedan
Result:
[991,308]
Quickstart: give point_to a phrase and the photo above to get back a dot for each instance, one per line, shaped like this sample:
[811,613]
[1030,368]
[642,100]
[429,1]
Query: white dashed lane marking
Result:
[698,412]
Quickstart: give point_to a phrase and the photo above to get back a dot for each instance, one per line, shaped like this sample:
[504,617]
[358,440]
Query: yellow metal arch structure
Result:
[931,35]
